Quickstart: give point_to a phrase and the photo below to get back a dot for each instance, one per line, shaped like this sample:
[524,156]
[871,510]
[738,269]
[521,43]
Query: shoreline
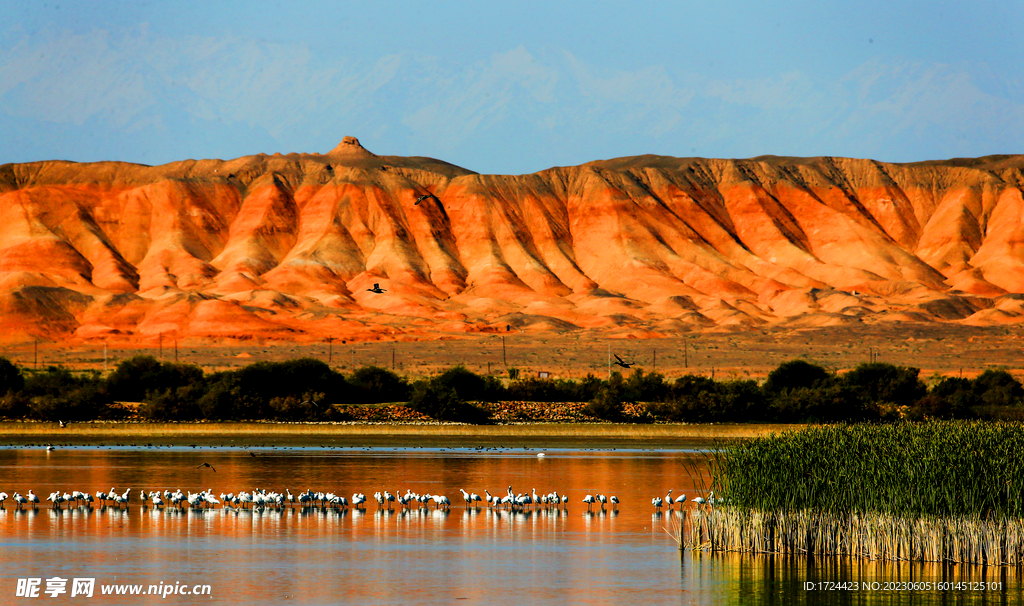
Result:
[550,435]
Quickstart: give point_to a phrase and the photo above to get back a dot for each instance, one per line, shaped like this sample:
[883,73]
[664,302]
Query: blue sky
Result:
[511,87]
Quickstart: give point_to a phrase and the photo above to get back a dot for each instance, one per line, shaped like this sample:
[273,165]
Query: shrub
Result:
[374,384]
[140,375]
[469,386]
[439,401]
[173,404]
[796,374]
[699,399]
[10,377]
[14,405]
[607,404]
[642,387]
[997,388]
[884,383]
[309,407]
[828,403]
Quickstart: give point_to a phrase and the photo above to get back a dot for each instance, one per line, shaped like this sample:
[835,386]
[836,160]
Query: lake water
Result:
[418,556]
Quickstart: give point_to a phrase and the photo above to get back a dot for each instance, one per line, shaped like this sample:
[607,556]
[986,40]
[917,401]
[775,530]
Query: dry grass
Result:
[873,536]
[935,348]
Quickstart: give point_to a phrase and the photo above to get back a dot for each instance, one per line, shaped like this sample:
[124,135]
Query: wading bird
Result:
[207,465]
[376,288]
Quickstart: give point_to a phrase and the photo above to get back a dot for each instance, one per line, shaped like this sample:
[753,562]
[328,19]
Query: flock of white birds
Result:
[261,499]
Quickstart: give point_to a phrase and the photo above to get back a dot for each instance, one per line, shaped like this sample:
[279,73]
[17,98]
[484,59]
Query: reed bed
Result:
[873,536]
[958,469]
[931,492]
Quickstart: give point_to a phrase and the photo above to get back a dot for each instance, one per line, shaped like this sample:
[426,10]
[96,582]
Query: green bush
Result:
[997,388]
[608,403]
[469,386]
[702,400]
[10,377]
[885,383]
[173,404]
[139,375]
[440,401]
[14,405]
[373,384]
[796,374]
[826,404]
[649,387]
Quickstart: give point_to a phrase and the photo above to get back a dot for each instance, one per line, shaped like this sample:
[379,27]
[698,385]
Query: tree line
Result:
[309,390]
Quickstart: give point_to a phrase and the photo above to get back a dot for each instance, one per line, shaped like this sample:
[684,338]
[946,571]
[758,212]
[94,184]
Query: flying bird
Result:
[62,423]
[207,465]
[620,362]
[422,198]
[376,288]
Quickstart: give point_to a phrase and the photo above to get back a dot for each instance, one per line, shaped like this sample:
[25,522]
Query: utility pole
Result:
[161,346]
[175,349]
[35,354]
[686,362]
[104,357]
[655,364]
[504,359]
[353,358]
[330,349]
[392,358]
[609,361]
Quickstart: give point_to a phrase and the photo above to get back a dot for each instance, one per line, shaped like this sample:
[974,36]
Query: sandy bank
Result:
[550,435]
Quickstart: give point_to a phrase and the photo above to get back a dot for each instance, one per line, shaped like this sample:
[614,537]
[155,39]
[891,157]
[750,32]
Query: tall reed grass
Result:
[966,469]
[935,492]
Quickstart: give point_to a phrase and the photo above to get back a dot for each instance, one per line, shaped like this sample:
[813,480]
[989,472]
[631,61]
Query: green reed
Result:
[959,469]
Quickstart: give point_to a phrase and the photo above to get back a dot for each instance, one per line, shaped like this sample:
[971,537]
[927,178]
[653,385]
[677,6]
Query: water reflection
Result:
[400,555]
[768,579]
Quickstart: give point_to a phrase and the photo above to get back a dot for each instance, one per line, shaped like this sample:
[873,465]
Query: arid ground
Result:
[749,353]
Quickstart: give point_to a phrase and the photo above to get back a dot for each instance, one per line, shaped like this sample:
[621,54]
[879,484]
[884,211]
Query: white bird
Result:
[603,499]
[32,498]
[3,497]
[589,500]
[358,499]
[656,501]
[699,501]
[19,500]
[465,497]
[680,500]
[615,501]
[540,454]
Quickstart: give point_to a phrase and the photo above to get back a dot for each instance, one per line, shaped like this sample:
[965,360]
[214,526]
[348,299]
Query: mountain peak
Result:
[351,147]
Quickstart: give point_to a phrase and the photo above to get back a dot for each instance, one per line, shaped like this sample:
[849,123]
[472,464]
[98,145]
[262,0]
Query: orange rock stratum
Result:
[286,246]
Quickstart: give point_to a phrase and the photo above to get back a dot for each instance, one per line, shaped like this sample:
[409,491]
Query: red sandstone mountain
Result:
[285,247]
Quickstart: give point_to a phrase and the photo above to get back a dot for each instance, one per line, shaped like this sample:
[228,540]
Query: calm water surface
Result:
[420,556]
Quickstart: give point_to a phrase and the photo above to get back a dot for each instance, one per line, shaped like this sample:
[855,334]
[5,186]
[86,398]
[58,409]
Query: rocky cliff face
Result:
[285,247]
